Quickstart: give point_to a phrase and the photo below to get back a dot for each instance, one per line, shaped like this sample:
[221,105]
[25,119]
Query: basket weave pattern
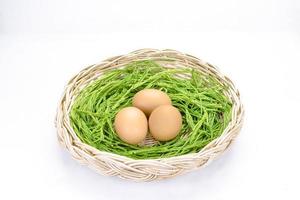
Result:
[147,169]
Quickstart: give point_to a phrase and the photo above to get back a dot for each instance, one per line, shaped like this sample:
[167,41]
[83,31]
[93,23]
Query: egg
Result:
[165,123]
[131,125]
[149,99]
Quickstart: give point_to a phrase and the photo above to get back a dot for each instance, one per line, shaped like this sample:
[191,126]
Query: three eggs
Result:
[151,108]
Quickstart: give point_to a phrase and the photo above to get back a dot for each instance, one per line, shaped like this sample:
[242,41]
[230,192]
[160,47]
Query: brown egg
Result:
[165,122]
[131,125]
[149,99]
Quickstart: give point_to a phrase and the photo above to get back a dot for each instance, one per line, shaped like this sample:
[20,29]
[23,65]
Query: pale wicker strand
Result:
[150,169]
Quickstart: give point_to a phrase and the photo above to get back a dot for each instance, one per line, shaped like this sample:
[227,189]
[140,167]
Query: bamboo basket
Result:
[147,169]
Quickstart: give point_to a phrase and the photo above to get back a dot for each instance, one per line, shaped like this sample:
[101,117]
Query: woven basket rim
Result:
[125,167]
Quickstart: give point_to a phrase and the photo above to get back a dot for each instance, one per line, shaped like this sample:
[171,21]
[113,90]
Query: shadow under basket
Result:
[144,169]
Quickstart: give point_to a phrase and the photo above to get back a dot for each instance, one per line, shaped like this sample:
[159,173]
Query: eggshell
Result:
[165,122]
[149,99]
[131,125]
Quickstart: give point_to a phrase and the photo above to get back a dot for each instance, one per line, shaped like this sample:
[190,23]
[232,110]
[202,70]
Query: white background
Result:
[44,43]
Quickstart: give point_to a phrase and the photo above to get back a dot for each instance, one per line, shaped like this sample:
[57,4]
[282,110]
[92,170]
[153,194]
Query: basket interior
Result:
[198,93]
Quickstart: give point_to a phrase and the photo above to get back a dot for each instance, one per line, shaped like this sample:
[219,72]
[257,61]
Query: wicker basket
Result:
[149,169]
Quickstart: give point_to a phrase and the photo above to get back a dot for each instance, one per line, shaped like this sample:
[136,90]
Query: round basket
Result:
[146,169]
